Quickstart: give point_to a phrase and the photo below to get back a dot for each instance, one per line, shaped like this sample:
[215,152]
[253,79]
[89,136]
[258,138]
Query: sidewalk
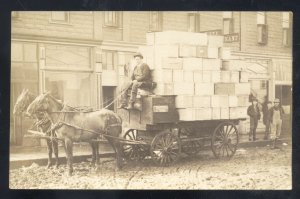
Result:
[25,156]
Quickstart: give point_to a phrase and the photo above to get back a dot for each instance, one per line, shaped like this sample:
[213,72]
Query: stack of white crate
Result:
[195,67]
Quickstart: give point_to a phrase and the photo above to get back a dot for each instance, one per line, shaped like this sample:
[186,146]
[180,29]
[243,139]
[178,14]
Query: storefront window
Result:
[72,88]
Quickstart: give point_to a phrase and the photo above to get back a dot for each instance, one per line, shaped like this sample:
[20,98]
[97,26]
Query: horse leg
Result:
[93,154]
[55,149]
[97,153]
[117,148]
[69,153]
[49,149]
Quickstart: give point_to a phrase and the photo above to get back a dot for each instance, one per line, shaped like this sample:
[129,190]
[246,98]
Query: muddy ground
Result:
[251,168]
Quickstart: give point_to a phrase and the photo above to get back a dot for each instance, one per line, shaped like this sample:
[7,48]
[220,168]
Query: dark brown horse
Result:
[42,122]
[73,126]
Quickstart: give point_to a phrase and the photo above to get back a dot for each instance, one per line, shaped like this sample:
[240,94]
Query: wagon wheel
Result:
[190,147]
[165,148]
[224,140]
[134,151]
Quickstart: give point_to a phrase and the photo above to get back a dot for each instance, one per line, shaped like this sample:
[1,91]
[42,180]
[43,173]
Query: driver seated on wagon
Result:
[140,78]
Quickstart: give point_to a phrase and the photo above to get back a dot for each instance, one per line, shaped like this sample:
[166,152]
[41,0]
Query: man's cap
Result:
[276,100]
[138,55]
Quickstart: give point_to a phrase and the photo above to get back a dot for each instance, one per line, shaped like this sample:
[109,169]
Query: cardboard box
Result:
[197,76]
[164,89]
[192,64]
[162,75]
[234,77]
[201,101]
[187,114]
[212,64]
[175,37]
[216,113]
[183,88]
[232,88]
[244,76]
[243,100]
[224,113]
[233,100]
[213,52]
[206,76]
[184,101]
[171,63]
[203,114]
[219,101]
[201,51]
[225,53]
[237,112]
[215,41]
[187,50]
[204,88]
[215,76]
[225,77]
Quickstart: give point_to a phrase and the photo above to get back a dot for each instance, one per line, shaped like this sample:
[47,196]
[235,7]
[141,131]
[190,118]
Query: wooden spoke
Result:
[224,140]
[168,145]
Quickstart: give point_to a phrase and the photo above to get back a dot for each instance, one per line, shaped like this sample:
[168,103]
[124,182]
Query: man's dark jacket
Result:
[141,73]
[252,113]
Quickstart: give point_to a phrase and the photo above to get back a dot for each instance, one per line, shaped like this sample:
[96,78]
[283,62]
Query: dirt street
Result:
[250,168]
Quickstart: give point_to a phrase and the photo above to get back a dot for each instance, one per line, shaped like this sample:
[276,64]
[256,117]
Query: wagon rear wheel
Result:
[224,140]
[165,148]
[134,151]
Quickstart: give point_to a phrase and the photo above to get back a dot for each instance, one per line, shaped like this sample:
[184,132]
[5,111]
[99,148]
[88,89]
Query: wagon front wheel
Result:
[165,148]
[224,140]
[134,152]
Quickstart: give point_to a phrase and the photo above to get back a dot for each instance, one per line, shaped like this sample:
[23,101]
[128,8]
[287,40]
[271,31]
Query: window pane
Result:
[72,88]
[192,23]
[226,27]
[59,16]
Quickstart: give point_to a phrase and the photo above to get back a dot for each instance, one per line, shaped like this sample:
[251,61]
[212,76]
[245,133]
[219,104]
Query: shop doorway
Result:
[109,93]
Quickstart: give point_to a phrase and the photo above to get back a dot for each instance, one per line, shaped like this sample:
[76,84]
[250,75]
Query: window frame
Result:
[196,25]
[104,60]
[264,34]
[117,23]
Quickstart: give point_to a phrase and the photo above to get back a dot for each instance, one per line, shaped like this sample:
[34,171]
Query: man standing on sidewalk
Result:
[141,77]
[254,113]
[266,118]
[276,113]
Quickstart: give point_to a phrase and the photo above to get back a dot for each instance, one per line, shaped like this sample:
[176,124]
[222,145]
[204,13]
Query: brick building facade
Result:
[79,56]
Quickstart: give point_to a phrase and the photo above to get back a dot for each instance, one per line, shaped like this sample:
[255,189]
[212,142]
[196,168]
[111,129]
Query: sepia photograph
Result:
[151,100]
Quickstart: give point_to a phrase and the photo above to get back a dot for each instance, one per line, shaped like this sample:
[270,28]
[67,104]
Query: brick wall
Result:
[39,24]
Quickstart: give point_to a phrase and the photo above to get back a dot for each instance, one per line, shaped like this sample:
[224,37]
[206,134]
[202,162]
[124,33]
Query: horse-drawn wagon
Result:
[164,137]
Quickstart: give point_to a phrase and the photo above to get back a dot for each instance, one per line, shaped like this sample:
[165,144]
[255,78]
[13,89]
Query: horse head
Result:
[23,101]
[39,104]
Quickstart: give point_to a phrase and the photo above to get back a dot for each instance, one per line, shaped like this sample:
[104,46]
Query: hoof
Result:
[48,166]
[56,166]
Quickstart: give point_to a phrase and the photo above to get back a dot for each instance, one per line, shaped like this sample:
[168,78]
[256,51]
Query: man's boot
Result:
[274,144]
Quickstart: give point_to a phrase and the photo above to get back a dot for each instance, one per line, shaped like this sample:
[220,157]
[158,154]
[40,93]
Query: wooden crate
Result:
[178,76]
[233,100]
[225,77]
[243,100]
[183,88]
[201,101]
[213,52]
[216,113]
[211,64]
[192,64]
[188,76]
[215,76]
[224,113]
[187,50]
[215,41]
[237,112]
[184,101]
[187,114]
[204,88]
[164,89]
[198,77]
[170,63]
[206,76]
[234,77]
[232,88]
[225,53]
[219,101]
[201,51]
[158,109]
[203,114]
[162,75]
